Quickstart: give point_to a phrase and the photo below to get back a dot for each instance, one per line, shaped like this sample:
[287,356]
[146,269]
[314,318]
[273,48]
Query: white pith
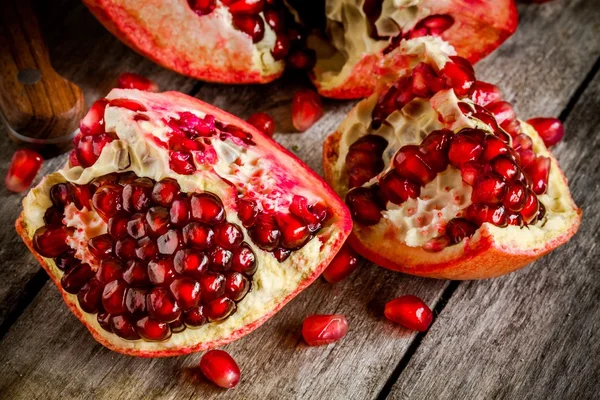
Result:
[273,280]
[416,221]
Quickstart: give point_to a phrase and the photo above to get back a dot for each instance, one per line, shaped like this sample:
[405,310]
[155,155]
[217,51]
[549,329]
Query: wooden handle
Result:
[38,104]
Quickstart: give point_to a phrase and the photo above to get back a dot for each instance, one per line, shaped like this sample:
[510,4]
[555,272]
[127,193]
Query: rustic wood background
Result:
[531,334]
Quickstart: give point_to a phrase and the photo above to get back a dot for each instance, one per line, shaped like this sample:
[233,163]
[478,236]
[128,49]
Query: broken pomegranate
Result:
[22,170]
[131,80]
[318,330]
[441,178]
[251,41]
[220,368]
[410,312]
[187,230]
[306,109]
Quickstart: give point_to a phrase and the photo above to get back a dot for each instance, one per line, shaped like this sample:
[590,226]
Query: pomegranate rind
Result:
[478,30]
[304,265]
[204,47]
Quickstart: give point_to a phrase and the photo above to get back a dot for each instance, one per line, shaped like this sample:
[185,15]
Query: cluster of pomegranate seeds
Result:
[93,137]
[342,266]
[410,312]
[263,122]
[169,260]
[307,109]
[252,16]
[220,368]
[432,25]
[130,80]
[318,330]
[22,170]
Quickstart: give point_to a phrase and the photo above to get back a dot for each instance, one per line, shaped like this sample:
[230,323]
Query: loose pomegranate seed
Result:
[212,286]
[190,263]
[481,213]
[179,214]
[136,195]
[410,312]
[90,296]
[397,189]
[152,330]
[459,76]
[364,206]
[409,164]
[318,330]
[551,130]
[187,292]
[202,7]
[146,249]
[464,148]
[194,318]
[515,197]
[236,286]
[539,171]
[50,241]
[244,260]
[489,188]
[531,208]
[182,162]
[113,297]
[158,221]
[22,170]
[161,272]
[125,249]
[165,192]
[207,208]
[74,279]
[107,201]
[123,326]
[53,216]
[198,236]
[265,233]
[342,265]
[136,274]
[459,229]
[130,80]
[101,246]
[93,122]
[219,309]
[162,306]
[485,94]
[306,109]
[247,7]
[263,122]
[252,25]
[109,271]
[218,367]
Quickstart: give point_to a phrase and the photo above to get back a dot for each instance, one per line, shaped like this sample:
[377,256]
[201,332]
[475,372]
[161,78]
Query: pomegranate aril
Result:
[281,48]
[361,174]
[135,301]
[158,220]
[117,226]
[464,148]
[505,116]
[82,196]
[123,326]
[219,309]
[410,312]
[22,170]
[113,297]
[371,144]
[409,164]
[130,80]
[161,305]
[212,286]
[539,171]
[357,157]
[247,212]
[244,260]
[191,263]
[236,286]
[263,122]
[489,189]
[541,213]
[101,246]
[182,162]
[202,7]
[125,249]
[318,330]
[514,219]
[194,318]
[434,149]
[61,194]
[459,76]
[74,279]
[228,235]
[178,325]
[220,259]
[129,104]
[481,213]
[485,93]
[437,244]
[51,241]
[93,122]
[152,330]
[302,59]
[246,6]
[146,249]
[551,130]
[198,236]
[207,208]
[493,146]
[136,274]
[161,272]
[251,25]
[470,171]
[136,195]
[307,109]
[506,167]
[53,216]
[179,214]
[515,197]
[531,208]
[218,367]
[342,265]
[281,254]
[265,233]
[397,189]
[364,206]
[165,192]
[186,291]
[109,270]
[89,148]
[103,319]
[90,295]
[107,200]
[170,242]
[459,229]
[66,260]
[294,232]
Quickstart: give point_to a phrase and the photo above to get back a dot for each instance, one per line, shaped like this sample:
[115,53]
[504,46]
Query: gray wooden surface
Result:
[532,334]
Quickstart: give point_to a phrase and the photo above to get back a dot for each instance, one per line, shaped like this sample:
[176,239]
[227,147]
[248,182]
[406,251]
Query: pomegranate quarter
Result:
[176,227]
[441,178]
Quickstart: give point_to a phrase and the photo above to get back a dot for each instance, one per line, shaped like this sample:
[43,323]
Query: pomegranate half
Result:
[176,227]
[441,178]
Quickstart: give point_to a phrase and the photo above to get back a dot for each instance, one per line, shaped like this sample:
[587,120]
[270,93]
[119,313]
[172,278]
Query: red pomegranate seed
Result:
[89,148]
[103,319]
[110,179]
[136,195]
[123,326]
[187,292]
[359,157]
[66,261]
[170,242]
[464,148]
[459,76]
[493,146]
[459,229]
[551,130]
[113,297]
[117,226]
[101,246]
[165,191]
[281,254]
[505,115]
[302,59]
[220,259]
[364,206]
[433,25]
[265,232]
[371,144]
[137,227]
[470,171]
[90,295]
[247,7]
[130,80]
[294,232]
[318,330]
[437,244]
[489,188]
[61,194]
[125,248]
[485,94]
[136,274]
[82,196]
[182,162]
[480,213]
[109,271]
[275,20]
[252,25]
[222,370]
[434,149]
[539,171]
[212,286]
[207,208]
[219,309]
[158,221]
[410,312]
[73,161]
[397,189]
[146,249]
[342,265]
[236,286]
[107,201]
[360,175]
[51,241]
[306,109]
[179,214]
[74,279]
[161,272]
[162,306]
[247,212]
[53,216]
[409,164]
[506,167]
[22,170]
[178,325]
[515,197]
[128,104]
[281,48]
[152,330]
[195,317]
[228,235]
[531,208]
[244,260]
[190,263]
[93,122]
[198,236]
[515,219]
[425,81]
[263,122]
[202,7]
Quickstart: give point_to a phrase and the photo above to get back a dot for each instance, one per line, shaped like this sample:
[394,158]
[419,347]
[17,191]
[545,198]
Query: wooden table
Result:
[531,334]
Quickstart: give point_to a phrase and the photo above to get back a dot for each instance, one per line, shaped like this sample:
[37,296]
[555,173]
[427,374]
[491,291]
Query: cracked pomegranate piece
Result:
[318,330]
[459,187]
[158,260]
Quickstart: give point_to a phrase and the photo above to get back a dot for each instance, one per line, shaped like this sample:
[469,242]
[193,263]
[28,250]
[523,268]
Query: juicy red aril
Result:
[275,20]
[107,200]
[135,301]
[363,206]
[158,220]
[220,259]
[113,297]
[93,122]
[89,296]
[101,246]
[318,330]
[109,270]
[51,241]
[247,7]
[212,286]
[263,122]
[179,214]
[137,227]
[265,233]
[251,25]
[247,212]
[61,194]
[531,208]
[146,249]
[302,59]
[294,232]
[89,148]
[410,312]
[359,175]
[236,286]
[182,162]
[82,196]
[219,309]
[458,76]
[228,235]
[207,208]
[165,192]
[194,317]
[170,242]
[470,171]
[506,167]
[218,367]
[281,254]
[152,330]
[493,146]
[281,48]
[123,326]
[117,226]
[244,260]
[178,325]
[481,213]
[342,265]
[136,274]
[190,263]
[74,279]
[551,130]
[128,104]
[539,171]
[437,244]
[53,216]
[434,149]
[397,189]
[198,236]
[136,195]
[505,116]
[485,93]
[186,291]
[489,188]
[125,249]
[409,164]
[103,319]
[161,272]
[22,170]
[515,197]
[433,25]
[162,306]
[202,7]
[130,80]
[464,148]
[66,260]
[514,219]
[458,229]
[425,81]
[306,109]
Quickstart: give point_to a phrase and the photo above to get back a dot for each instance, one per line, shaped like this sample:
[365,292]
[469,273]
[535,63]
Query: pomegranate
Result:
[440,185]
[410,312]
[22,170]
[248,41]
[220,368]
[160,258]
[318,330]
